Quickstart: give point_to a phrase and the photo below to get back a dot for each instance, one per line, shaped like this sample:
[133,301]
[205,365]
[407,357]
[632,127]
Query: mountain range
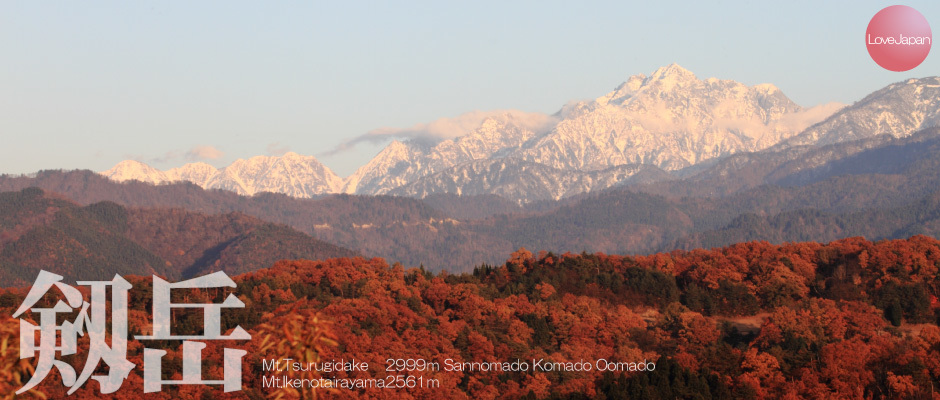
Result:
[880,188]
[292,174]
[868,169]
[681,182]
[648,129]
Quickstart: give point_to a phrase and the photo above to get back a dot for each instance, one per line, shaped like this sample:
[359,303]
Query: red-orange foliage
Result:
[817,325]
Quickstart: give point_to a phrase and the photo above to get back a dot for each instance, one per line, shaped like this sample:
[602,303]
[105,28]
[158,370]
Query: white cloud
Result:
[276,149]
[199,153]
[806,118]
[449,128]
[165,158]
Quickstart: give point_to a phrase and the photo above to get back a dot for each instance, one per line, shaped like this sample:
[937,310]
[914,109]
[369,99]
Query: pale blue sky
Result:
[88,84]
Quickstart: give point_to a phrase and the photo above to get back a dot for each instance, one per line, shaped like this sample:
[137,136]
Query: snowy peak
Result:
[897,110]
[670,119]
[672,72]
[623,92]
[766,88]
[403,162]
[292,174]
[377,172]
[130,170]
[670,76]
[199,173]
[645,127]
[670,84]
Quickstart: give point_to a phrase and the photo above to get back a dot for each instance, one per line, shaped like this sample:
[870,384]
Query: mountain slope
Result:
[49,233]
[401,163]
[39,231]
[522,181]
[397,228]
[671,120]
[921,217]
[291,174]
[131,170]
[896,110]
[704,130]
[839,180]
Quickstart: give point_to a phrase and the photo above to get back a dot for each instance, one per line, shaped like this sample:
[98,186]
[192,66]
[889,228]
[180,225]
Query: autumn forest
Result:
[847,319]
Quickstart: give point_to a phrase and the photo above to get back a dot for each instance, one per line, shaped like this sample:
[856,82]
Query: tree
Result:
[13,369]
[894,313]
[301,335]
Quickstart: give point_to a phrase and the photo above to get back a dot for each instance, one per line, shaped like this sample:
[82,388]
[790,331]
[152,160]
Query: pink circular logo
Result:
[898,38]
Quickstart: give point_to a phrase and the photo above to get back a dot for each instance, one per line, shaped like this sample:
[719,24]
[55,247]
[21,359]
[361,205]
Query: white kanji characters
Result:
[115,356]
[192,368]
[192,351]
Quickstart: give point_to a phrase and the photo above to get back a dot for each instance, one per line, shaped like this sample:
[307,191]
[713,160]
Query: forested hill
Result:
[40,231]
[848,319]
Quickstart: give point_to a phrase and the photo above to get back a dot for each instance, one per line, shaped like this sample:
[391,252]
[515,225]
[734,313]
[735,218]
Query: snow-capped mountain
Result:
[899,110]
[199,173]
[291,174]
[131,170]
[520,180]
[646,128]
[669,120]
[402,163]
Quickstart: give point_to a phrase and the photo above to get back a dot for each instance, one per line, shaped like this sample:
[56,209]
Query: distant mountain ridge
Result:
[649,129]
[880,187]
[898,110]
[47,231]
[670,119]
[291,174]
[665,122]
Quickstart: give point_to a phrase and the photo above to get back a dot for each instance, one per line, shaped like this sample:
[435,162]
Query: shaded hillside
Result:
[621,222]
[87,187]
[471,207]
[56,235]
[913,156]
[401,229]
[101,239]
[921,217]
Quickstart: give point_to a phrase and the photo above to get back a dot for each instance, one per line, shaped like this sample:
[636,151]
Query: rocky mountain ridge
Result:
[650,128]
[291,174]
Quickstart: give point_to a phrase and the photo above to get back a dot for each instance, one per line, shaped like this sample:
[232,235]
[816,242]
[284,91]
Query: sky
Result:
[84,85]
